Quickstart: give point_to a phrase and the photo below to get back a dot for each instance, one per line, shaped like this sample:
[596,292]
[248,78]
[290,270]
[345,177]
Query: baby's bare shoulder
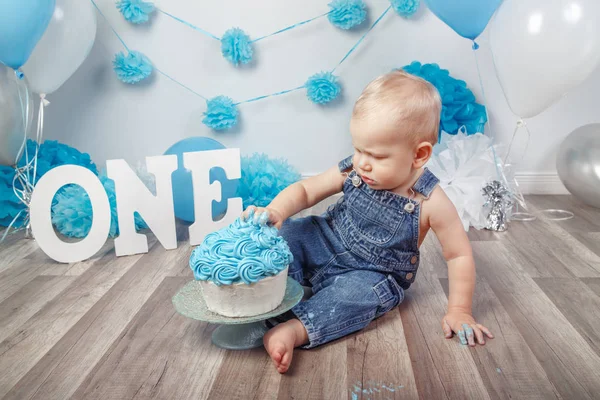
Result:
[439,207]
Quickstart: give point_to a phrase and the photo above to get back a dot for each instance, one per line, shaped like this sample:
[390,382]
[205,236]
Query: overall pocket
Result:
[376,223]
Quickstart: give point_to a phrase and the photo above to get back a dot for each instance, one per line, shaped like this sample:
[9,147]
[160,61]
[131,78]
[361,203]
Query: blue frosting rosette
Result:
[246,251]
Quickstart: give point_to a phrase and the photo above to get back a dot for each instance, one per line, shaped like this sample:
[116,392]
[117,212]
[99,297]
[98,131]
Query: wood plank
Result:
[25,303]
[593,283]
[241,376]
[20,274]
[78,268]
[427,379]
[586,218]
[20,351]
[71,358]
[160,354]
[590,240]
[568,360]
[578,303]
[556,253]
[511,369]
[483,235]
[13,251]
[270,380]
[306,378]
[429,304]
[382,370]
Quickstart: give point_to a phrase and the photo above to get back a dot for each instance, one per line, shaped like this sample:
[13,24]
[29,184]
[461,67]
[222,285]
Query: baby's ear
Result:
[423,153]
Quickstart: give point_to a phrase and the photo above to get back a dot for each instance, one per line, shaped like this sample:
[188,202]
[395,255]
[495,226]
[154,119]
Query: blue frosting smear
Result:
[245,251]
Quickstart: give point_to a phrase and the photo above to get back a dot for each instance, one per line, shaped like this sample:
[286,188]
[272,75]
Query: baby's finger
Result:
[263,218]
[486,331]
[248,213]
[462,337]
[478,335]
[469,334]
[446,328]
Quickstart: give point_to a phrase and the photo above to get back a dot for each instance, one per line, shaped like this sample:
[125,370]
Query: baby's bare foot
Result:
[281,340]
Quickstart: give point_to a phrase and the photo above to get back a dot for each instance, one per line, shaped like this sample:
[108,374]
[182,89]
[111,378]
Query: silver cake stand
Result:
[241,333]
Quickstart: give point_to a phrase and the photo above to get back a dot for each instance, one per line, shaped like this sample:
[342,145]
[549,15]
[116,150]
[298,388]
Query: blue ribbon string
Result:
[110,25]
[291,27]
[362,38]
[179,83]
[190,25]
[270,95]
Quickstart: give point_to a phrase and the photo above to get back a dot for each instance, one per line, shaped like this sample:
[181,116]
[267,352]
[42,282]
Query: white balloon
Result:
[544,48]
[63,47]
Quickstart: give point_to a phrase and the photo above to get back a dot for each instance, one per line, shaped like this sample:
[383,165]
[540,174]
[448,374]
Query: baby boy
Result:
[363,253]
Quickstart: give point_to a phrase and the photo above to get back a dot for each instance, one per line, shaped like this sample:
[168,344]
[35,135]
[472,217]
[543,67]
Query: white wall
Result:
[96,113]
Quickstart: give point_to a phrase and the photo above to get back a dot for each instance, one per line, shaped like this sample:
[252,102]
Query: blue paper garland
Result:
[323,88]
[132,67]
[135,11]
[406,8]
[236,46]
[347,14]
[221,113]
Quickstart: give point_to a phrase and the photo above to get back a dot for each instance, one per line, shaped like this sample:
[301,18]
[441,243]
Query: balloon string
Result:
[522,216]
[520,124]
[22,173]
[501,175]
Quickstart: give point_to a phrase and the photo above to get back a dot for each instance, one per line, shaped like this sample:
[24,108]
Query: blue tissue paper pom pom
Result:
[10,205]
[135,11]
[346,14]
[72,210]
[323,87]
[50,154]
[264,178]
[236,46]
[221,113]
[458,102]
[132,67]
[406,8]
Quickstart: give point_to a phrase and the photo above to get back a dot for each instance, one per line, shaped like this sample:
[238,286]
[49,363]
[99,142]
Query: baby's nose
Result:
[366,167]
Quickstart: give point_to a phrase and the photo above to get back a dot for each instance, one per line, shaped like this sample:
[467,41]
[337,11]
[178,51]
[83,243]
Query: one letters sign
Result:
[132,195]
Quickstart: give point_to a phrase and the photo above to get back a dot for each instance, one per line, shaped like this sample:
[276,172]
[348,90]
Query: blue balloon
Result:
[468,18]
[183,196]
[22,24]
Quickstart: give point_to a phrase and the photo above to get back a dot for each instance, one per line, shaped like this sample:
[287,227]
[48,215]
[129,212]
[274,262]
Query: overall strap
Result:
[426,183]
[345,163]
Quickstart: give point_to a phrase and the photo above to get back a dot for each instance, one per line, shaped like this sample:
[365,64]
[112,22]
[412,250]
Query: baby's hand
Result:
[463,324]
[274,217]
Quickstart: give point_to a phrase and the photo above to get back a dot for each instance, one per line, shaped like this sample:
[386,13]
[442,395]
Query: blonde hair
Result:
[412,103]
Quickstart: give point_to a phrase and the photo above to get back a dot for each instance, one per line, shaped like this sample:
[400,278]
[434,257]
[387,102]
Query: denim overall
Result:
[359,256]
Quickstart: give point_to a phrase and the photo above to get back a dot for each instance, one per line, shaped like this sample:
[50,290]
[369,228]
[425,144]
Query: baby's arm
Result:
[303,194]
[445,222]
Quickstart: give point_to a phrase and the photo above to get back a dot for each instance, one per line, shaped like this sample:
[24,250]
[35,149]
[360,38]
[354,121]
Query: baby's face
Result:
[382,157]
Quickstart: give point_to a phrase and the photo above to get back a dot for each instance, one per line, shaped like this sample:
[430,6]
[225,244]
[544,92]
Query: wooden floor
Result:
[106,328]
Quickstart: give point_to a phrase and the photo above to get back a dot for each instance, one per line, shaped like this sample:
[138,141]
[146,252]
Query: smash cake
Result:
[242,269]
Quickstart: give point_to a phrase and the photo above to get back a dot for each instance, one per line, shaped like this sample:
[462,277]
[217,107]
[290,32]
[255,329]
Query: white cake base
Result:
[242,300]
